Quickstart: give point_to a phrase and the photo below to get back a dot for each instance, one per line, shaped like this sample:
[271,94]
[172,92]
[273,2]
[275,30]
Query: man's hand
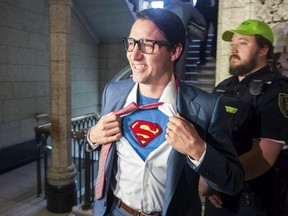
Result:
[183,137]
[215,199]
[107,129]
[203,187]
[211,195]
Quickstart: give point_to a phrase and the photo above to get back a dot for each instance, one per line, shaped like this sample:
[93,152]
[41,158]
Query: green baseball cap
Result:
[250,27]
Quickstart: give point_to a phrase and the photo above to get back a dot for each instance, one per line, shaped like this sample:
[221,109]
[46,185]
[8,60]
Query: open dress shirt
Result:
[141,183]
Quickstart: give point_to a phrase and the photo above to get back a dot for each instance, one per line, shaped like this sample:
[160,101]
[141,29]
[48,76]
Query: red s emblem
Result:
[145,131]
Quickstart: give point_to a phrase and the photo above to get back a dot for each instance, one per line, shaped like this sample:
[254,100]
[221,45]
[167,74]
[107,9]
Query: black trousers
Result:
[245,204]
[211,16]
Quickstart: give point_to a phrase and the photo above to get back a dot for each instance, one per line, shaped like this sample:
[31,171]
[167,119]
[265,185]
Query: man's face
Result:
[150,69]
[244,55]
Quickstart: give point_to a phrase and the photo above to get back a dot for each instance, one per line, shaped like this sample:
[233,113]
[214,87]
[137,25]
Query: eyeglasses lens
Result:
[144,46]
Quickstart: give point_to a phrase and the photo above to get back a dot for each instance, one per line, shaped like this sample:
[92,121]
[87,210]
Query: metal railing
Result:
[84,161]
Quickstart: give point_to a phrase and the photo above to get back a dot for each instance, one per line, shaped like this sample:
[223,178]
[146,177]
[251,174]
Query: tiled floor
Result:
[18,194]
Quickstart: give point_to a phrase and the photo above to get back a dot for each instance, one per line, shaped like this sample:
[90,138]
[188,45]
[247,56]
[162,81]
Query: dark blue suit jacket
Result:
[220,167]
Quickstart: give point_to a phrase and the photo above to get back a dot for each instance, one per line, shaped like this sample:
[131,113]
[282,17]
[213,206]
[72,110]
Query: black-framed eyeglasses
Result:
[144,45]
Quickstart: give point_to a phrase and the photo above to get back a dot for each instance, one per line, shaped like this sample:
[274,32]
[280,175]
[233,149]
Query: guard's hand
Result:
[107,129]
[209,193]
[215,199]
[183,137]
[203,187]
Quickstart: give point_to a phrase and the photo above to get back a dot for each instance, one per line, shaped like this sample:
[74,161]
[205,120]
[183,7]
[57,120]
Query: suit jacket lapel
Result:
[117,96]
[187,108]
[175,163]
[176,160]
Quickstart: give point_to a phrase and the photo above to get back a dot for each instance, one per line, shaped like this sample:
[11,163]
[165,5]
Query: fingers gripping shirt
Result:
[145,129]
[139,182]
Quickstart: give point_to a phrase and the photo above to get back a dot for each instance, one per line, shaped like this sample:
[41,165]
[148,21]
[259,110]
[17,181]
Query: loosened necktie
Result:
[132,107]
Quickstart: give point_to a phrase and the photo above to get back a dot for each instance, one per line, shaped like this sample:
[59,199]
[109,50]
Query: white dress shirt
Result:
[141,184]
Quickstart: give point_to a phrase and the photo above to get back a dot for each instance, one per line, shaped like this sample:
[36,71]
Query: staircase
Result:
[201,76]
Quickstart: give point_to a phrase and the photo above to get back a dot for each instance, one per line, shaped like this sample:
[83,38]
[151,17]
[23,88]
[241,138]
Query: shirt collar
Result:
[168,96]
[255,75]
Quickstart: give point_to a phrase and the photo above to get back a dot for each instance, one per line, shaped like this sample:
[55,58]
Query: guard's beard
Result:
[242,69]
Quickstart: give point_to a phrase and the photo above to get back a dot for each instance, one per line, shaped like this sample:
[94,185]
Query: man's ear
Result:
[176,52]
[264,51]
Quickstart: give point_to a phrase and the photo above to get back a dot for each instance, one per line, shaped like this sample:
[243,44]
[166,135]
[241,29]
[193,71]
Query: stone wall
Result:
[84,70]
[112,60]
[24,69]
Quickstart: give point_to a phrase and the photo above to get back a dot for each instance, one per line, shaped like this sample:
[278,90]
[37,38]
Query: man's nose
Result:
[233,50]
[136,53]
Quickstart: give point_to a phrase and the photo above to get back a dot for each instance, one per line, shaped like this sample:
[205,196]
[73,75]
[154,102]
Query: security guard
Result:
[256,101]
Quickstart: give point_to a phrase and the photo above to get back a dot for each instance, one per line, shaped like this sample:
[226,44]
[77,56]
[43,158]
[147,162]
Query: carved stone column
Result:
[61,187]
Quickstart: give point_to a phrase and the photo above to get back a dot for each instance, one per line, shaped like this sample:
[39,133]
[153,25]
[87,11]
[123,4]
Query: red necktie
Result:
[132,107]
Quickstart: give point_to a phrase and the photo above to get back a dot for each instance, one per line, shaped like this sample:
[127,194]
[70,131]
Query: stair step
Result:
[194,67]
[194,59]
[201,82]
[195,53]
[192,63]
[204,86]
[202,76]
[194,47]
[208,73]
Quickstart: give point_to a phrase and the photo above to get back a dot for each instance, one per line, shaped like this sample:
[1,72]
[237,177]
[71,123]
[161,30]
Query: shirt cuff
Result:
[90,146]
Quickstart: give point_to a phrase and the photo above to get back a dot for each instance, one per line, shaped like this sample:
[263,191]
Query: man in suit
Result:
[187,12]
[157,155]
[209,9]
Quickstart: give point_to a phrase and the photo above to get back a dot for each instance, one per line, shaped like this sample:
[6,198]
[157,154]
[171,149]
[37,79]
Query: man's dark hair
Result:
[168,22]
[262,42]
[271,57]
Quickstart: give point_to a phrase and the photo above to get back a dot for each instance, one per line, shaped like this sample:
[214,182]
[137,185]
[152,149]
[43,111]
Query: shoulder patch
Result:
[283,103]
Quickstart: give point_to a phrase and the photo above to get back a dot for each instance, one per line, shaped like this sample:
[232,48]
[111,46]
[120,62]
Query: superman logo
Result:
[145,131]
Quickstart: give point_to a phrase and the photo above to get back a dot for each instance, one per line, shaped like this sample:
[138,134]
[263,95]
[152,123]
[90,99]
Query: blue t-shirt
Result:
[145,129]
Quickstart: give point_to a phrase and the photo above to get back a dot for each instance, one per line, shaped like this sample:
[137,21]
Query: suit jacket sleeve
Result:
[221,166]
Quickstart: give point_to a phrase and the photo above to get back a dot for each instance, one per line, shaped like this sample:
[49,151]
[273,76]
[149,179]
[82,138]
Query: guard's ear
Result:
[176,52]
[264,50]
